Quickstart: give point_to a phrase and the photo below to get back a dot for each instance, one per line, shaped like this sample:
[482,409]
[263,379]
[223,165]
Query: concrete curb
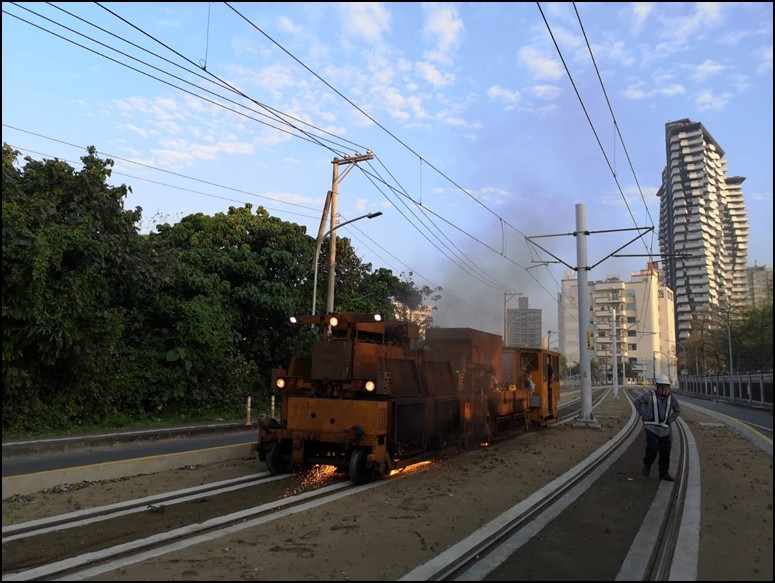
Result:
[61,444]
[30,483]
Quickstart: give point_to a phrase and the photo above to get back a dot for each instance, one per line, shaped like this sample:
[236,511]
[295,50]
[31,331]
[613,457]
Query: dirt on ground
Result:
[349,540]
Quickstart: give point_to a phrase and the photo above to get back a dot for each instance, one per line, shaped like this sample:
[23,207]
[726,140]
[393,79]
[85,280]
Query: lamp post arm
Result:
[317,252]
[731,369]
[729,340]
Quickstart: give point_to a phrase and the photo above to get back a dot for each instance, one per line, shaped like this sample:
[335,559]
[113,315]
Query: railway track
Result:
[481,555]
[473,558]
[102,513]
[96,562]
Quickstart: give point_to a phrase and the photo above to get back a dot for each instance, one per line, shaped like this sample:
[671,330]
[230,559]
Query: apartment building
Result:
[759,285]
[637,317]
[703,225]
[523,325]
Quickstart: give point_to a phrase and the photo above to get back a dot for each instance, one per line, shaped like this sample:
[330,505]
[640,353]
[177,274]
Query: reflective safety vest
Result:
[655,409]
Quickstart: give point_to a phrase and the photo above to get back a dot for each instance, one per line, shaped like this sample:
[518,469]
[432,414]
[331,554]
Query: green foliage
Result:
[66,243]
[752,338]
[708,347]
[104,326]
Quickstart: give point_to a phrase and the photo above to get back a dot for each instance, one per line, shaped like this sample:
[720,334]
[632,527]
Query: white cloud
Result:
[142,132]
[740,83]
[396,104]
[443,29]
[764,55]
[708,101]
[546,91]
[182,150]
[499,93]
[433,76]
[641,12]
[234,146]
[636,90]
[759,197]
[672,89]
[489,194]
[285,24]
[640,90]
[681,32]
[616,51]
[540,63]
[706,16]
[547,110]
[269,137]
[707,69]
[368,20]
[273,78]
[459,122]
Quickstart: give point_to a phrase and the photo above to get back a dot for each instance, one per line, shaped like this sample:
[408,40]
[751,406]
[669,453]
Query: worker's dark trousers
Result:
[657,445]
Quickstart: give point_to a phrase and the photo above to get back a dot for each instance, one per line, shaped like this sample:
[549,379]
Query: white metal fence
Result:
[754,388]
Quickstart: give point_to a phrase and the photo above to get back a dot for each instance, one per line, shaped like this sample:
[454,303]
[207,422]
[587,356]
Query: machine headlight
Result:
[370,386]
[333,321]
[285,383]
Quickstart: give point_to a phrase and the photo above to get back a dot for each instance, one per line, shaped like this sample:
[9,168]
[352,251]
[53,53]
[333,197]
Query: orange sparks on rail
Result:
[410,468]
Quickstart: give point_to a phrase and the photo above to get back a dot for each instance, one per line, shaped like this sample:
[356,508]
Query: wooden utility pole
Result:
[336,179]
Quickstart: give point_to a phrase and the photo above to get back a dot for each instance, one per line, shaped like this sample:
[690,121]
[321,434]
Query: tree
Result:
[750,331]
[70,258]
[752,338]
[243,275]
[100,322]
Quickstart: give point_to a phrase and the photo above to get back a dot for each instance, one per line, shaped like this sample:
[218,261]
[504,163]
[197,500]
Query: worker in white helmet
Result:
[658,409]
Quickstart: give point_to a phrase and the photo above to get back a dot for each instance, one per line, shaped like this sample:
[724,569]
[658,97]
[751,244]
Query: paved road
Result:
[43,455]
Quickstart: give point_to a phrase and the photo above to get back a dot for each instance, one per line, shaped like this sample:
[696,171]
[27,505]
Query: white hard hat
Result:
[662,379]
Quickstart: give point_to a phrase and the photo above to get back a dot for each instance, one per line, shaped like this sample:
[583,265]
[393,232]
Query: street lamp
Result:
[333,242]
[685,361]
[731,370]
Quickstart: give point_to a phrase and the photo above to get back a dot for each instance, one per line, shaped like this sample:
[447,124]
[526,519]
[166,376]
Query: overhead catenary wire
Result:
[471,264]
[616,126]
[174,86]
[595,133]
[222,83]
[425,211]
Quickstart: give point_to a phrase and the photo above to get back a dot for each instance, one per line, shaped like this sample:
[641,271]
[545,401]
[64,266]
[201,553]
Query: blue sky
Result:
[489,123]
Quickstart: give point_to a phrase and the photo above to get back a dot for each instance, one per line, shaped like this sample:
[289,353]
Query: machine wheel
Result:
[275,462]
[360,472]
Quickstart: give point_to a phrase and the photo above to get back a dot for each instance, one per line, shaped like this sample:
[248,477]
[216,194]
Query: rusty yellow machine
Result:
[375,396]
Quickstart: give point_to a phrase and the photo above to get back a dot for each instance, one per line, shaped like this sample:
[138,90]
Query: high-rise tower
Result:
[703,225]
